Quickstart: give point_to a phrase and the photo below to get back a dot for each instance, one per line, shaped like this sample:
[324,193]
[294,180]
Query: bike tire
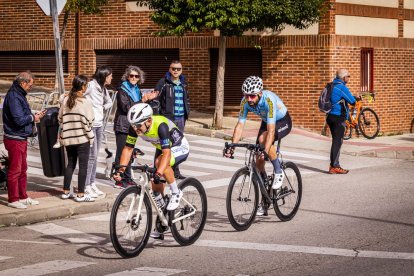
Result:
[368,123]
[287,199]
[188,230]
[129,238]
[241,203]
[348,132]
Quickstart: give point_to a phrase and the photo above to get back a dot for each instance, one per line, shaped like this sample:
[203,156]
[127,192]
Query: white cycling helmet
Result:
[252,85]
[139,113]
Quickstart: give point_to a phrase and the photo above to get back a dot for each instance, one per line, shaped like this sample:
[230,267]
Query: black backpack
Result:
[324,102]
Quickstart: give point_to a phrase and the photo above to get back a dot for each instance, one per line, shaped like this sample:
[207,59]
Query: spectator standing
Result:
[98,94]
[340,98]
[174,101]
[128,94]
[76,118]
[18,123]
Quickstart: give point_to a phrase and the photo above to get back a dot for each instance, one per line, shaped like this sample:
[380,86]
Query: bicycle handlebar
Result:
[251,147]
[142,168]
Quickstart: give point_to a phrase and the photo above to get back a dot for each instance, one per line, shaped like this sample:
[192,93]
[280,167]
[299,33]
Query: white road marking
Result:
[284,152]
[44,268]
[104,217]
[148,271]
[306,249]
[52,229]
[5,258]
[35,242]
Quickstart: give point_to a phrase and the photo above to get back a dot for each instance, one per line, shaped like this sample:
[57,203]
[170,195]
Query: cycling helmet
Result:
[252,85]
[139,113]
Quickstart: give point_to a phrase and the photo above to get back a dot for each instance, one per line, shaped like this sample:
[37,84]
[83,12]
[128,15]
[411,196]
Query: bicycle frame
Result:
[144,183]
[352,122]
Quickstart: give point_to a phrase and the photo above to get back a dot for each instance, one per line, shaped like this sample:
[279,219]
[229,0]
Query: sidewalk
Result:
[53,207]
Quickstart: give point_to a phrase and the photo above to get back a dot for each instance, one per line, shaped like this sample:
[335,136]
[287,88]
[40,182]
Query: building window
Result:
[34,61]
[367,70]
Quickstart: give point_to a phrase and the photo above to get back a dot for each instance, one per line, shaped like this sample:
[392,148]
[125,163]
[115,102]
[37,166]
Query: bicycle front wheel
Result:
[348,132]
[242,200]
[129,230]
[368,123]
[193,207]
[288,197]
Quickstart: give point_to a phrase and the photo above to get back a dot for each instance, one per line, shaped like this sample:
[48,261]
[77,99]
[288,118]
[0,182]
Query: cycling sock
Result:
[174,188]
[276,165]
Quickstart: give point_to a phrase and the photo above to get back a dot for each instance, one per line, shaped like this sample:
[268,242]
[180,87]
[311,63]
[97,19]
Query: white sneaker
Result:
[260,211]
[96,190]
[90,192]
[68,195]
[29,201]
[57,145]
[84,198]
[17,205]
[278,181]
[174,201]
[155,234]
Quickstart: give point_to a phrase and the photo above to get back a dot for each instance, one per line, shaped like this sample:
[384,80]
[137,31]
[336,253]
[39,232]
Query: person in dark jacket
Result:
[128,94]
[18,123]
[340,98]
[174,101]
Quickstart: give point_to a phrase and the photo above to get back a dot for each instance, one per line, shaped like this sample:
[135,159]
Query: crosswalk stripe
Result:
[148,271]
[306,249]
[52,229]
[284,152]
[45,268]
[4,258]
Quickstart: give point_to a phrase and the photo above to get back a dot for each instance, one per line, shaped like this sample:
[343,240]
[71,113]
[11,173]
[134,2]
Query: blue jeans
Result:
[180,123]
[93,155]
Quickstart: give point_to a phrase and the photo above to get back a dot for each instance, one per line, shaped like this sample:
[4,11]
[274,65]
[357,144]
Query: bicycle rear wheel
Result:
[288,197]
[189,229]
[128,235]
[242,200]
[368,123]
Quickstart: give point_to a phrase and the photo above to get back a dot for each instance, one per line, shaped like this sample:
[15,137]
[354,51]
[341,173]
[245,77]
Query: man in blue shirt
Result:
[340,98]
[276,124]
[174,101]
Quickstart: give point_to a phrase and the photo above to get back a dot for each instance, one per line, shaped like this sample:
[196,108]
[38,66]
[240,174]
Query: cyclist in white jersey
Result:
[276,123]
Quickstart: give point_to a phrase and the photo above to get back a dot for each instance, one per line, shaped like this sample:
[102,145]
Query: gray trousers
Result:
[93,155]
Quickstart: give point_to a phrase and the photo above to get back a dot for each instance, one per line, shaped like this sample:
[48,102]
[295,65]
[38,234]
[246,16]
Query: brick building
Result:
[374,39]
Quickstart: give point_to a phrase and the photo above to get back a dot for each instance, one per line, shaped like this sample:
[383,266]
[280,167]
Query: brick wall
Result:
[295,67]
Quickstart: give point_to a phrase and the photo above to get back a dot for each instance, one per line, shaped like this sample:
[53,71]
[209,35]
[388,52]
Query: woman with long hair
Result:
[76,119]
[98,94]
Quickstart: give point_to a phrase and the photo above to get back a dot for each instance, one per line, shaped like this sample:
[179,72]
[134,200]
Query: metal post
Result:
[58,46]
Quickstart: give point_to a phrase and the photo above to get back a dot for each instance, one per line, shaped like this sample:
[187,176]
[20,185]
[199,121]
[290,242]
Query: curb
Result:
[26,216]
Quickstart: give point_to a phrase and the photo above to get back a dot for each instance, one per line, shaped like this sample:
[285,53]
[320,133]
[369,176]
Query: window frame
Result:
[367,70]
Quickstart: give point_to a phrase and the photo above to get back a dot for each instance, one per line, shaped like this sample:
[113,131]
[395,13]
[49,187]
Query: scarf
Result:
[132,90]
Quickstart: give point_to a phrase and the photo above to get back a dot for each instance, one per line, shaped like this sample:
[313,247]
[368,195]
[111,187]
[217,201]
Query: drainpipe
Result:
[78,43]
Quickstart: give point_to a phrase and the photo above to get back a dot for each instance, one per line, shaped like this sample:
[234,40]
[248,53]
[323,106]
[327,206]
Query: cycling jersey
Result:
[163,134]
[270,108]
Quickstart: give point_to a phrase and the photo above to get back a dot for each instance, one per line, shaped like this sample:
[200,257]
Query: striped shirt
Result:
[179,100]
[76,123]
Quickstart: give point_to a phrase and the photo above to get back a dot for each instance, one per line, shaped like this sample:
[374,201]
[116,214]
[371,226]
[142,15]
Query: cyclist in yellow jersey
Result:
[172,147]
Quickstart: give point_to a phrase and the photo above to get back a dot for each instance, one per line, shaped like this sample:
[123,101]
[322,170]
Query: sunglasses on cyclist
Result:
[138,125]
[178,69]
[250,96]
[134,76]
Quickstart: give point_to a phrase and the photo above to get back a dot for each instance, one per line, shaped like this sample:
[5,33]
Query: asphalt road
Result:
[356,224]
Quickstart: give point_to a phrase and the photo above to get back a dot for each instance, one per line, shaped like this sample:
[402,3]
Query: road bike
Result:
[247,183]
[362,120]
[131,215]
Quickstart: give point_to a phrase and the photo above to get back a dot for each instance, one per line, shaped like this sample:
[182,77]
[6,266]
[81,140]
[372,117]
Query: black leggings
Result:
[120,143]
[74,152]
[337,126]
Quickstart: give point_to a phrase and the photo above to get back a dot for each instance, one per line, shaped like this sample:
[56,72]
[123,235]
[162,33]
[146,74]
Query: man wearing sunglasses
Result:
[173,98]
[276,124]
[171,147]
